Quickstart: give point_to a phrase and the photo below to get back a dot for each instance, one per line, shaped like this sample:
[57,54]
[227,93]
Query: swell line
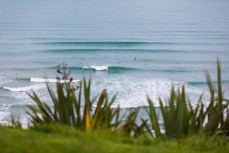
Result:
[120,43]
[97,43]
[112,50]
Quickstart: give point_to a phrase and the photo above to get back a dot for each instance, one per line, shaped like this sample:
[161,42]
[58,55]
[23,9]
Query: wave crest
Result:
[43,80]
[23,89]
[109,68]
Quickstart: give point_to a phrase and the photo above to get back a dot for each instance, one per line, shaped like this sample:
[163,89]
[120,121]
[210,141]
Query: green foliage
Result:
[15,123]
[175,113]
[75,108]
[181,119]
[130,127]
[78,111]
[217,113]
[68,110]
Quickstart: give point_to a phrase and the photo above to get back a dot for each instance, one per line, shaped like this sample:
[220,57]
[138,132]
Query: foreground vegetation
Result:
[73,123]
[58,139]
[179,117]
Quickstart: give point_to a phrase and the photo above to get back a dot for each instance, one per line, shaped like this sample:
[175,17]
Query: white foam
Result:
[97,68]
[43,80]
[4,80]
[3,116]
[100,68]
[20,89]
[23,89]
[134,92]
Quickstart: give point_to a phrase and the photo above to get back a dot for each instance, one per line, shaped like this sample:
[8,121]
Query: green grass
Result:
[55,139]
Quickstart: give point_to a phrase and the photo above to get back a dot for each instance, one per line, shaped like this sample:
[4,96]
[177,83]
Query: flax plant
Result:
[75,109]
[217,112]
[69,109]
[15,123]
[130,127]
[175,114]
[180,118]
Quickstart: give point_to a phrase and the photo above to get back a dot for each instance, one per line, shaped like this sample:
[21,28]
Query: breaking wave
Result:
[43,80]
[24,89]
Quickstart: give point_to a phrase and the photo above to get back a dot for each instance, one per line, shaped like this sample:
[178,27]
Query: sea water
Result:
[133,48]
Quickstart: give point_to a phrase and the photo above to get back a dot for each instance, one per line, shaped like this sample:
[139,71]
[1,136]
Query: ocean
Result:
[133,48]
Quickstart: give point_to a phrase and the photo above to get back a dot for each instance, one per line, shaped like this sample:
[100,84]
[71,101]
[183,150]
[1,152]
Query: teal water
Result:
[145,45]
